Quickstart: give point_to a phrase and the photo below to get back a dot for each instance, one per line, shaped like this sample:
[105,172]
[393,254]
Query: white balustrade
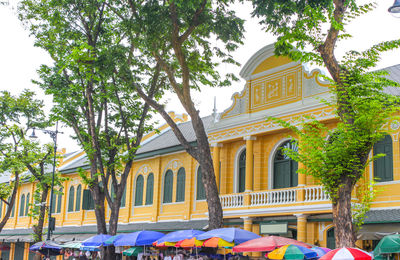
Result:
[273,197]
[315,193]
[232,200]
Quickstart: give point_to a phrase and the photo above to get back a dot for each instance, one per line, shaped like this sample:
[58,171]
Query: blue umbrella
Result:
[236,235]
[139,238]
[98,240]
[46,248]
[180,235]
[111,240]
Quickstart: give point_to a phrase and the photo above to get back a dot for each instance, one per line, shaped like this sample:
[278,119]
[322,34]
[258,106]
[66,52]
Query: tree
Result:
[309,31]
[177,35]
[91,94]
[19,154]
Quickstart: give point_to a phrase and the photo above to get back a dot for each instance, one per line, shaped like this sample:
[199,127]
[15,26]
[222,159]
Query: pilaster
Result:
[249,163]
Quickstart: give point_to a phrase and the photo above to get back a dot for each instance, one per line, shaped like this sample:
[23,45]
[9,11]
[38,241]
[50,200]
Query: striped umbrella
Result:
[292,252]
[347,253]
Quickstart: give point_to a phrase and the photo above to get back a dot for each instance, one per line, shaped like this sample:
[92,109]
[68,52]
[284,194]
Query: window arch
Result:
[149,189]
[242,171]
[168,183]
[27,204]
[383,167]
[285,169]
[330,238]
[123,198]
[59,200]
[78,198]
[71,199]
[139,191]
[22,205]
[200,191]
[180,185]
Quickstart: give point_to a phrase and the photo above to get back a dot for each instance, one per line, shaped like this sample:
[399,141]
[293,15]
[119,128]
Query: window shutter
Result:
[59,200]
[22,205]
[242,171]
[27,205]
[53,203]
[383,167]
[123,198]
[71,199]
[86,203]
[78,198]
[168,182]
[139,191]
[149,189]
[180,185]
[200,192]
[1,208]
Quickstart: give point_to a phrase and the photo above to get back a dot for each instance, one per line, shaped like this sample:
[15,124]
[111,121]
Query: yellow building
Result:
[259,187]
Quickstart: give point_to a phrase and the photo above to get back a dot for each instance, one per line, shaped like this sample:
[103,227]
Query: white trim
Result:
[271,162]
[273,210]
[236,169]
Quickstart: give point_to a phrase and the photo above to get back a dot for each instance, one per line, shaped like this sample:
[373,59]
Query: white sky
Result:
[19,59]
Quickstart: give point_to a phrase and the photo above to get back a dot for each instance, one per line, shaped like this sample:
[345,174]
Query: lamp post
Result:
[53,135]
[395,9]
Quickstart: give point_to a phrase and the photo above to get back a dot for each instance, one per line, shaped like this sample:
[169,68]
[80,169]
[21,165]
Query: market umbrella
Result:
[139,238]
[347,253]
[180,235]
[188,243]
[46,248]
[74,245]
[4,247]
[320,250]
[218,242]
[97,240]
[111,240]
[236,235]
[133,251]
[388,245]
[292,252]
[90,248]
[267,244]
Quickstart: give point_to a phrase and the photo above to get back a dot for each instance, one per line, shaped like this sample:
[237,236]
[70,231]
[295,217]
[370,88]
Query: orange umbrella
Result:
[187,243]
[217,242]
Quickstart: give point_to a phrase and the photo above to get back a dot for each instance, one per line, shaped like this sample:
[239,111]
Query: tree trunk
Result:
[342,217]
[11,203]
[38,229]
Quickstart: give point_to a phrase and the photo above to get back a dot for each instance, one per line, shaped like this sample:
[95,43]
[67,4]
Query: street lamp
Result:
[395,9]
[53,135]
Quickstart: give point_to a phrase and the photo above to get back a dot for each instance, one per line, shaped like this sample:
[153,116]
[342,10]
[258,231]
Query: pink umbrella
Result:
[346,253]
[267,244]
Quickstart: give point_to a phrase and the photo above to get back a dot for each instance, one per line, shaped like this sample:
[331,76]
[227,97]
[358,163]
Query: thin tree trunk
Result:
[38,229]
[11,203]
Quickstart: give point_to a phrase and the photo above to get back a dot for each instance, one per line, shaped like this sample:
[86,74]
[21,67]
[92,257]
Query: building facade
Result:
[259,187]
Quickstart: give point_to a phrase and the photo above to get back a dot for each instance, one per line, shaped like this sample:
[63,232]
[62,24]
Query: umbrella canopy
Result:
[4,247]
[139,238]
[75,245]
[236,235]
[388,245]
[218,242]
[320,250]
[98,240]
[180,235]
[89,248]
[347,253]
[133,251]
[187,243]
[46,248]
[267,244]
[292,252]
[111,240]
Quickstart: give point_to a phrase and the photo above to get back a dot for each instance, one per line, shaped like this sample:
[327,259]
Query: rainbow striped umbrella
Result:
[292,252]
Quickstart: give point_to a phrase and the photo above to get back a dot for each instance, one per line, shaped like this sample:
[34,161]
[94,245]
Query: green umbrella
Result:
[388,245]
[75,245]
[133,251]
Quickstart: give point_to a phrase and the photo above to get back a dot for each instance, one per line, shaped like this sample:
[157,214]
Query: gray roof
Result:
[79,163]
[167,139]
[382,216]
[394,74]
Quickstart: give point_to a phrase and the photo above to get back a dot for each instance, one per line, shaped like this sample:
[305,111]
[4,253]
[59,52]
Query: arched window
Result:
[139,191]
[200,192]
[383,167]
[123,198]
[22,205]
[78,198]
[13,207]
[242,171]
[330,238]
[149,189]
[285,169]
[53,203]
[59,200]
[1,208]
[71,199]
[180,185]
[168,182]
[27,204]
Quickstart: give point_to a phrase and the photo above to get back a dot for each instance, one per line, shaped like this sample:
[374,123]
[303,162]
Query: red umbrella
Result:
[267,244]
[346,253]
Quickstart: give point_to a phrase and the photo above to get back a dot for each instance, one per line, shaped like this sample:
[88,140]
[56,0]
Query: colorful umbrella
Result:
[388,245]
[218,242]
[267,244]
[133,251]
[236,235]
[46,248]
[74,245]
[347,253]
[292,252]
[111,240]
[98,240]
[139,238]
[320,250]
[180,235]
[188,243]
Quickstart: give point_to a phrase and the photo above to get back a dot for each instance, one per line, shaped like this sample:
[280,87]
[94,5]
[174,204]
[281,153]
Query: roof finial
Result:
[214,114]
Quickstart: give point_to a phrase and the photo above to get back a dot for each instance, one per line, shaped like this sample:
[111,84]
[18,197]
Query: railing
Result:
[315,193]
[232,200]
[273,197]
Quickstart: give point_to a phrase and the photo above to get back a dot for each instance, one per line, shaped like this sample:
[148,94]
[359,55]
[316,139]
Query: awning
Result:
[71,237]
[18,238]
[377,231]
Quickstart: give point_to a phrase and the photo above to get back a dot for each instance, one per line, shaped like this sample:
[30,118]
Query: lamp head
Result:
[33,135]
[395,9]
